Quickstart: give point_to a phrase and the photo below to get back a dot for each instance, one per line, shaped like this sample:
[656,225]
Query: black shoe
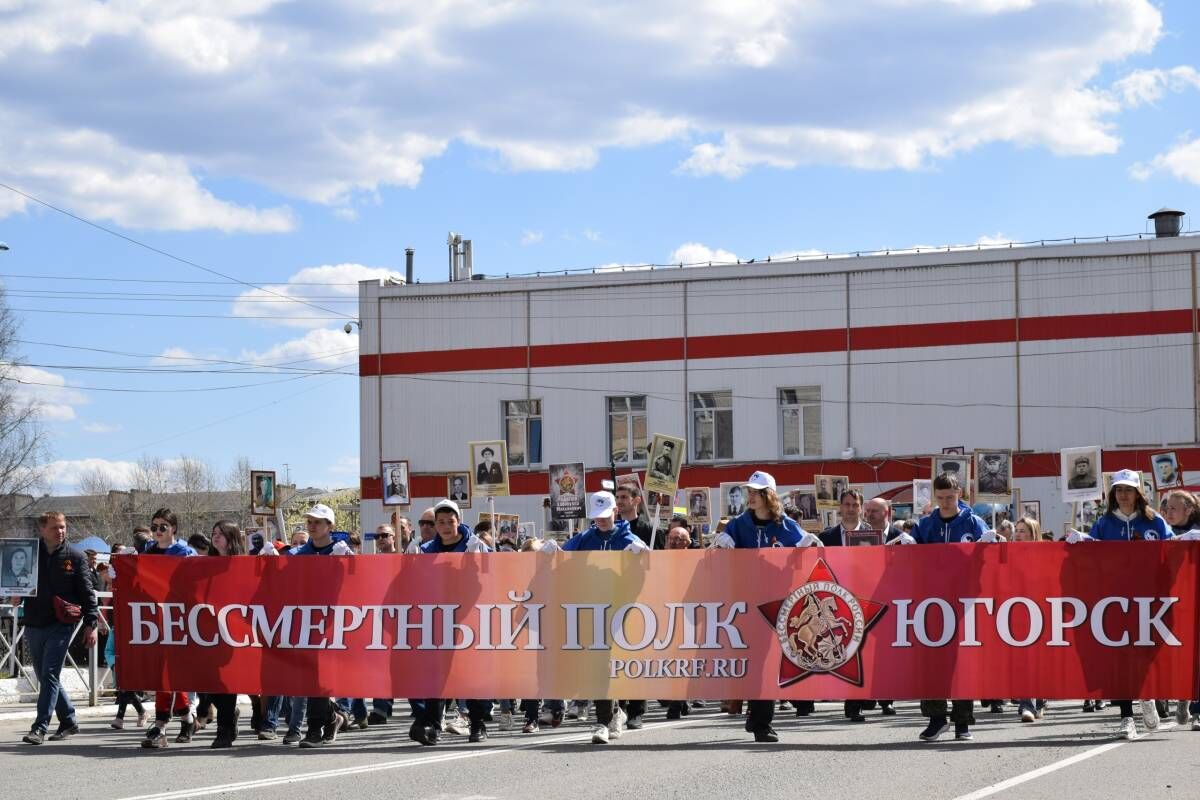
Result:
[857,718]
[313,738]
[937,726]
[223,739]
[34,737]
[697,704]
[803,712]
[766,734]
[674,712]
[375,718]
[185,733]
[1088,706]
[685,710]
[996,708]
[64,732]
[634,723]
[962,732]
[422,735]
[889,710]
[478,733]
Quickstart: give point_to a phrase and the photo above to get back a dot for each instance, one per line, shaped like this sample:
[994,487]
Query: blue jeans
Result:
[299,705]
[270,712]
[48,647]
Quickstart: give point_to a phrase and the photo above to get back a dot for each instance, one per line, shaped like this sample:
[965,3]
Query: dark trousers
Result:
[125,699]
[604,709]
[226,705]
[1126,707]
[760,715]
[430,714]
[960,712]
[320,713]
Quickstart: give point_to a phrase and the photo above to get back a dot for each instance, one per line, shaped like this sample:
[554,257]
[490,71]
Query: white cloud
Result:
[323,348]
[332,286]
[1182,162]
[56,401]
[344,470]
[331,107]
[999,240]
[591,235]
[63,476]
[531,237]
[100,427]
[1147,86]
[695,253]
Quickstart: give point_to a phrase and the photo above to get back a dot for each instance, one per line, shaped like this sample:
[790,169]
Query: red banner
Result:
[1098,619]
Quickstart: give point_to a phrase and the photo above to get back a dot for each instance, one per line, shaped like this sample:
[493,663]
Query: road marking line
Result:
[262,783]
[988,791]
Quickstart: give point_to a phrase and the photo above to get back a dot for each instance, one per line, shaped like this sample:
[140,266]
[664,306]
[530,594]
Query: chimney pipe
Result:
[408,266]
[1167,222]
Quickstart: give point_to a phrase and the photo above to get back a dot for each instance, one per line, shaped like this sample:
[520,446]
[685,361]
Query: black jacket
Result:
[63,573]
[641,528]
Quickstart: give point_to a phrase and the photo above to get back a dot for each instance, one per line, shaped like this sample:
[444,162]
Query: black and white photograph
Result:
[922,493]
[830,517]
[262,491]
[993,474]
[566,491]
[1032,509]
[864,537]
[525,530]
[733,499]
[1080,474]
[18,567]
[697,505]
[1164,467]
[489,462]
[1086,512]
[805,501]
[395,483]
[505,526]
[829,490]
[958,449]
[957,465]
[458,488]
[666,459]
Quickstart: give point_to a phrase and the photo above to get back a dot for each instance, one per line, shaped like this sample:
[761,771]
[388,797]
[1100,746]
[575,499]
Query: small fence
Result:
[15,660]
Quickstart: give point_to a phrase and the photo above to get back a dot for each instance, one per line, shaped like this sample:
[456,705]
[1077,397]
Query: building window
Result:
[800,421]
[712,425]
[627,429]
[523,432]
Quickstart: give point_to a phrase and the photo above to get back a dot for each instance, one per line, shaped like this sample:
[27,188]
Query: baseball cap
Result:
[601,504]
[321,511]
[1127,477]
[447,505]
[761,480]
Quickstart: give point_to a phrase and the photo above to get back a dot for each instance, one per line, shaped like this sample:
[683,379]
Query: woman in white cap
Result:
[1182,512]
[1129,517]
[609,533]
[763,524]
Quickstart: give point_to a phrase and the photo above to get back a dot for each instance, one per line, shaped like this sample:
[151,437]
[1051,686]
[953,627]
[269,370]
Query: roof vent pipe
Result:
[1167,222]
[408,266]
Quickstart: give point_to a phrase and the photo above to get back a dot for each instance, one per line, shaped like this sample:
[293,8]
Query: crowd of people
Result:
[67,583]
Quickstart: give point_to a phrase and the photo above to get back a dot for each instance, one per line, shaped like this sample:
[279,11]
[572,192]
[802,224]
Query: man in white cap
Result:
[609,533]
[324,717]
[452,537]
[763,524]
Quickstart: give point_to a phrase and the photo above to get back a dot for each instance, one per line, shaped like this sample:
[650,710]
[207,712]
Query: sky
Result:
[191,190]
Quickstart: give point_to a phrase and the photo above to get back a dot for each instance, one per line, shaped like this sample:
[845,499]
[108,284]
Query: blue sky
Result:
[302,147]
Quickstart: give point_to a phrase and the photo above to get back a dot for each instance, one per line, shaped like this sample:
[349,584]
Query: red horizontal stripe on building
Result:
[894,470]
[771,343]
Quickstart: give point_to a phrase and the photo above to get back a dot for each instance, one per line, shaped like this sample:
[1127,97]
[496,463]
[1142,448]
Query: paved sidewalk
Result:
[82,709]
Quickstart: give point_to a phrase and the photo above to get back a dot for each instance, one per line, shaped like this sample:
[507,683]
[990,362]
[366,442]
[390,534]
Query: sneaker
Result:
[674,712]
[34,737]
[330,730]
[556,719]
[937,726]
[1089,706]
[506,721]
[531,726]
[186,729]
[697,704]
[1181,712]
[784,705]
[634,723]
[1027,715]
[996,708]
[361,724]
[962,732]
[117,724]
[343,721]
[888,711]
[572,712]
[1127,729]
[313,738]
[375,718]
[1196,722]
[766,734]
[155,739]
[478,733]
[423,735]
[616,726]
[459,725]
[142,717]
[857,718]
[222,740]
[267,735]
[292,737]
[1041,712]
[600,734]
[1150,716]
[1101,705]
[65,731]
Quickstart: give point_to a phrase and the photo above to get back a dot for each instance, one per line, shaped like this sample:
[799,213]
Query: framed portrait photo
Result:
[666,459]
[829,490]
[394,475]
[958,449]
[993,474]
[866,537]
[18,567]
[458,488]
[805,501]
[960,467]
[1032,509]
[733,499]
[262,492]
[1165,469]
[697,505]
[1081,475]
[489,461]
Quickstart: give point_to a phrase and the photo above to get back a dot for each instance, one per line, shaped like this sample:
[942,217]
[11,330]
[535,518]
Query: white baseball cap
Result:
[1127,477]
[601,504]
[321,511]
[446,505]
[761,480]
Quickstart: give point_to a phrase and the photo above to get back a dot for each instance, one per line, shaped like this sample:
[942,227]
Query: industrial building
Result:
[858,365]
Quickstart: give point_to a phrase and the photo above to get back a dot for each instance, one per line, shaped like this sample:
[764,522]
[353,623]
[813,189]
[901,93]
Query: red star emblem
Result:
[821,627]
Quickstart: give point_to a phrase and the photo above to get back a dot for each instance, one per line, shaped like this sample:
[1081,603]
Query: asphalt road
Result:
[1069,754]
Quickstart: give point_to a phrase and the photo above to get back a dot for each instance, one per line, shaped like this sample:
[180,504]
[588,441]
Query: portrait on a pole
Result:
[993,474]
[1081,474]
[262,491]
[18,567]
[1164,468]
[666,459]
[395,483]
[567,491]
[458,488]
[490,460]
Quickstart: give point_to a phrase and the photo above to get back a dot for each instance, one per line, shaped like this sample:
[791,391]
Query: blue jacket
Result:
[469,543]
[966,527]
[621,537]
[744,531]
[1113,527]
[177,548]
